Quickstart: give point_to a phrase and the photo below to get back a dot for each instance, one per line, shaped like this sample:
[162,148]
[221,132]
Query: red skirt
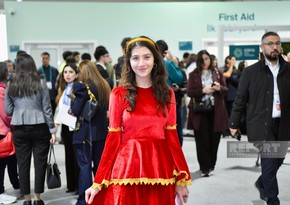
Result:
[136,195]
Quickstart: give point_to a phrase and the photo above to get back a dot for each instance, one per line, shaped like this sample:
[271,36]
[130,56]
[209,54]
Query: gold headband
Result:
[139,39]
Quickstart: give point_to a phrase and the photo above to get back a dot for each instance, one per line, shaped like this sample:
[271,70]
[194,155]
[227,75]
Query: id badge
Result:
[277,102]
[49,85]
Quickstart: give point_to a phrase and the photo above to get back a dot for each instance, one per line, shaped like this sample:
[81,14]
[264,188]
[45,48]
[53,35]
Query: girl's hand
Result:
[90,194]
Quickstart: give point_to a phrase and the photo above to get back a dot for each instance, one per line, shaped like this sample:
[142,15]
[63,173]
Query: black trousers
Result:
[11,164]
[30,139]
[207,142]
[71,166]
[270,166]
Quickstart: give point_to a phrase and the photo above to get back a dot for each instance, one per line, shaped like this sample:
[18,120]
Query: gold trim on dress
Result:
[98,186]
[145,181]
[171,127]
[112,129]
[182,182]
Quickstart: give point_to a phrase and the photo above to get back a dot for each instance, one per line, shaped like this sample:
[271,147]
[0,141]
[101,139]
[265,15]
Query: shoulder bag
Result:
[7,147]
[90,107]
[203,106]
[53,179]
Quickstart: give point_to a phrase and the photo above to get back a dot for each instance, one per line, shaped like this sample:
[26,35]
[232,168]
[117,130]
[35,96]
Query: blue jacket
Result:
[99,123]
[174,73]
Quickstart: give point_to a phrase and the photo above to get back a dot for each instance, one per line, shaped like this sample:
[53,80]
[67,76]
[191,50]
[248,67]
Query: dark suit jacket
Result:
[99,123]
[105,75]
[255,94]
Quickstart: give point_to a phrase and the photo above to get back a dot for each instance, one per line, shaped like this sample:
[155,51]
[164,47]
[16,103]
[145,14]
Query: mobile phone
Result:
[213,84]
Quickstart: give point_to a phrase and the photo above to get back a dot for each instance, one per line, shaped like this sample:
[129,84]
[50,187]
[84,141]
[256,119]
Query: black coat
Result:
[255,94]
[99,123]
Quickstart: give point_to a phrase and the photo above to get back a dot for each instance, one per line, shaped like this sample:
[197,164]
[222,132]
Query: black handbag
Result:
[53,179]
[203,106]
[90,107]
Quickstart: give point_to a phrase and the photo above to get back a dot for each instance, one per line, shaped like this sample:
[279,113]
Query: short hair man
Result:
[102,57]
[49,74]
[86,56]
[264,93]
[11,69]
[119,65]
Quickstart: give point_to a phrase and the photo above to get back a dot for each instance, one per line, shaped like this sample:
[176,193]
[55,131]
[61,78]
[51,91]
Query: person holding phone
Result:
[207,83]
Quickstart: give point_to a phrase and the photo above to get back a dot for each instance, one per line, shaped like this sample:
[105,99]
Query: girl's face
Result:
[206,61]
[69,74]
[142,61]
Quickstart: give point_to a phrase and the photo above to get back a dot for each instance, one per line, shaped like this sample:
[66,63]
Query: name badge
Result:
[49,85]
[277,102]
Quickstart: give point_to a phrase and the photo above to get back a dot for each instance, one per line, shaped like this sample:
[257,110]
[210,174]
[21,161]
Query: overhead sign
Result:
[245,52]
[185,45]
[14,48]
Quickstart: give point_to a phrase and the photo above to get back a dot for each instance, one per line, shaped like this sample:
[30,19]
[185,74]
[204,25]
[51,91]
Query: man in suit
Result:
[49,74]
[102,57]
[264,93]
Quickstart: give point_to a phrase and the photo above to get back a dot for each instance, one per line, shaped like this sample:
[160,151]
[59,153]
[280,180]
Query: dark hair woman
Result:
[27,100]
[206,83]
[142,134]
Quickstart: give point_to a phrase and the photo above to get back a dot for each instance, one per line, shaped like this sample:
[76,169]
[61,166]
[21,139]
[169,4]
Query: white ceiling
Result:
[2,4]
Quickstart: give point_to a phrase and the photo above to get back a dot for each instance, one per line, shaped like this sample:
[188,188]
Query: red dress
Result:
[142,159]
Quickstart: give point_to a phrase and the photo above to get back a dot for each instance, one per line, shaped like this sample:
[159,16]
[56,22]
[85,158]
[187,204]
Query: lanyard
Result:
[68,89]
[50,73]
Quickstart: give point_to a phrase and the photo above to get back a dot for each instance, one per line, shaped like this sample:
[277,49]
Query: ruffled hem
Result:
[147,181]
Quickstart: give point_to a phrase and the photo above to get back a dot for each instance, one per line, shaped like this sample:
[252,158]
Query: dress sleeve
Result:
[116,108]
[182,173]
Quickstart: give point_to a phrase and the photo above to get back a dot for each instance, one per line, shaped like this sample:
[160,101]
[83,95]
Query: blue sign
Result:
[185,45]
[14,48]
[245,52]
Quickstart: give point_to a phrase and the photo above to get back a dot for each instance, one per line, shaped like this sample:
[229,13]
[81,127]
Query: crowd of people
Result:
[130,146]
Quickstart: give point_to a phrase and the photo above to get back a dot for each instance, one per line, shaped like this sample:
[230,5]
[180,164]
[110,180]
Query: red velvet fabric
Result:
[144,158]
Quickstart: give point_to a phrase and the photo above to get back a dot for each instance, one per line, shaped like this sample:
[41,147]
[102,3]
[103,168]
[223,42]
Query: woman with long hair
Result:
[66,80]
[142,162]
[27,100]
[90,135]
[206,83]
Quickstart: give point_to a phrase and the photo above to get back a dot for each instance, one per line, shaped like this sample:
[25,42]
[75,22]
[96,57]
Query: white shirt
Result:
[276,111]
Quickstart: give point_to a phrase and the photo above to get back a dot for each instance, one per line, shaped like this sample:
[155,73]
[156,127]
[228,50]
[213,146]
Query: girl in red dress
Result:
[142,162]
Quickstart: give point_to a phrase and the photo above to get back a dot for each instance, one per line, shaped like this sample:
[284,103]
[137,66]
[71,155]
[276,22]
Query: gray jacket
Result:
[32,110]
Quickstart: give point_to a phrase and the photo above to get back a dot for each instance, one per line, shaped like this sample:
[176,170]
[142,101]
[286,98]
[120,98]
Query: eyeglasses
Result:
[271,44]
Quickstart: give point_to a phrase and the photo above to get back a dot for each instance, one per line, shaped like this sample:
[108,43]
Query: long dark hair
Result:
[62,82]
[200,62]
[26,81]
[158,74]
